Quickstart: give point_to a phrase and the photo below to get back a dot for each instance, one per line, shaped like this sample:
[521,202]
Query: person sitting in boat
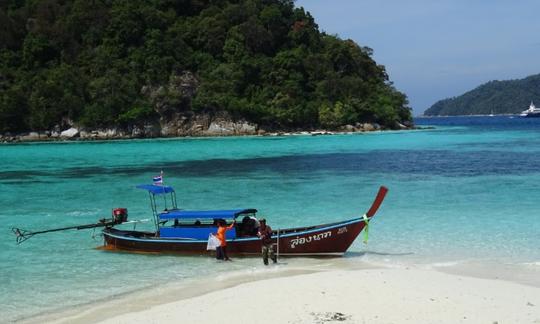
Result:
[265,233]
[250,226]
[221,251]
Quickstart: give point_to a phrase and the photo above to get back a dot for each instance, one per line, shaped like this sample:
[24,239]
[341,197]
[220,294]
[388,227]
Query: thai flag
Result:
[158,180]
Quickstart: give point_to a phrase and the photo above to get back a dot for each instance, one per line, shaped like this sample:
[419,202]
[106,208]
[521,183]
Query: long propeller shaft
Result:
[23,235]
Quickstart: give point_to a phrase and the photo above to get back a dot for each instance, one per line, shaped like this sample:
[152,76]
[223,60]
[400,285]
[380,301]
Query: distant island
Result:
[494,97]
[175,68]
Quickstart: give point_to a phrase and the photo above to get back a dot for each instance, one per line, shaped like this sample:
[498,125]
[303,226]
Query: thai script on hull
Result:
[304,240]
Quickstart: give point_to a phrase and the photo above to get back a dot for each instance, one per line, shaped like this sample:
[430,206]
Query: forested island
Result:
[494,97]
[147,68]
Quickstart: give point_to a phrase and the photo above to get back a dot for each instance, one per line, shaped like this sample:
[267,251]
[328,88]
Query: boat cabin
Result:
[199,224]
[176,223]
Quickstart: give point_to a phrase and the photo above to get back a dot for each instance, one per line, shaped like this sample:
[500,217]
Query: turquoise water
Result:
[463,191]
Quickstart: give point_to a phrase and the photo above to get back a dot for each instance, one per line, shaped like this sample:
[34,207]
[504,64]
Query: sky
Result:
[437,49]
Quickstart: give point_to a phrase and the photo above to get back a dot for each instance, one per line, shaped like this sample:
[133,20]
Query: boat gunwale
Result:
[313,229]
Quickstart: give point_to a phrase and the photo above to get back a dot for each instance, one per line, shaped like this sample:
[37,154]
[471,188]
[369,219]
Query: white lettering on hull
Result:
[309,239]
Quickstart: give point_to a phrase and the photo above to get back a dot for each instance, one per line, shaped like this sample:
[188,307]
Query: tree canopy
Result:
[90,61]
[493,97]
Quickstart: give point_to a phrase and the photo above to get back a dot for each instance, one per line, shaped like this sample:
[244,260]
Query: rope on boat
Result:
[94,235]
[366,228]
[371,212]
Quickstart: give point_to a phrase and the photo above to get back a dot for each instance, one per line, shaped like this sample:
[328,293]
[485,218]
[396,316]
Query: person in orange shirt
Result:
[221,251]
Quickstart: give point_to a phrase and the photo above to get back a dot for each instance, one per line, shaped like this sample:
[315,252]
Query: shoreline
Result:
[338,278]
[146,298]
[488,115]
[44,140]
[37,140]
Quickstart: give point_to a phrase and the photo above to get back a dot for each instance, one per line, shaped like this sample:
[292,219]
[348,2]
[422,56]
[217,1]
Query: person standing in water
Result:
[265,234]
[221,251]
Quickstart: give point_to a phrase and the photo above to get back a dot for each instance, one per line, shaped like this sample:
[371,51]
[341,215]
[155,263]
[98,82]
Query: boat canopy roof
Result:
[156,190]
[205,214]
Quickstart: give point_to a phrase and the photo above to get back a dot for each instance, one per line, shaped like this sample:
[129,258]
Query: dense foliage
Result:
[89,61]
[497,97]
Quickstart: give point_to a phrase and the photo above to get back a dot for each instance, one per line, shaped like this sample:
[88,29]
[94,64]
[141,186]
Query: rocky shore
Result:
[180,125]
[173,118]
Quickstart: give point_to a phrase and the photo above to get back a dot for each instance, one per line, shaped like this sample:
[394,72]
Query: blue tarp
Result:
[156,190]
[195,233]
[205,214]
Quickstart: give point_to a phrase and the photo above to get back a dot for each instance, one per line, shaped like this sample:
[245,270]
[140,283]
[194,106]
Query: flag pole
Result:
[162,184]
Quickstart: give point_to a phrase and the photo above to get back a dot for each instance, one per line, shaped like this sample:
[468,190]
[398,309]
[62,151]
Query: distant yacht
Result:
[531,112]
[491,115]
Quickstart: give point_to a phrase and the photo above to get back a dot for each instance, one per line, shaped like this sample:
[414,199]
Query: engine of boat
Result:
[120,215]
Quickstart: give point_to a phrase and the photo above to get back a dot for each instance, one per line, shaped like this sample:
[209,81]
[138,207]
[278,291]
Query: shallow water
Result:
[462,194]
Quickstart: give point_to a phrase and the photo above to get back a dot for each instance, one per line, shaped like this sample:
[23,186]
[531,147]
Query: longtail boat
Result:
[188,231]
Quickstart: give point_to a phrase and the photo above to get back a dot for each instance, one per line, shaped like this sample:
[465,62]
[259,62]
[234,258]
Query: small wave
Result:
[447,264]
[531,264]
[399,262]
[378,261]
[79,213]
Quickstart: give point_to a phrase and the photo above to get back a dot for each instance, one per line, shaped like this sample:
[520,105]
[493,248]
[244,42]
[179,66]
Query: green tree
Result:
[56,94]
[13,110]
[106,63]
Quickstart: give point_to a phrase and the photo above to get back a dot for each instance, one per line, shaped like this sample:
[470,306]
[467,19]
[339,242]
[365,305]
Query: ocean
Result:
[462,198]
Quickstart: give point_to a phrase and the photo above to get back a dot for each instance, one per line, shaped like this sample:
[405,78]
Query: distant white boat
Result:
[491,115]
[531,112]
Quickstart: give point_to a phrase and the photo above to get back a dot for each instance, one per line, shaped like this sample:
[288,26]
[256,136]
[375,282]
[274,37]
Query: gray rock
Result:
[32,136]
[168,130]
[348,128]
[245,128]
[137,131]
[108,133]
[401,126]
[220,128]
[84,134]
[151,130]
[196,129]
[368,127]
[70,133]
[223,125]
[173,97]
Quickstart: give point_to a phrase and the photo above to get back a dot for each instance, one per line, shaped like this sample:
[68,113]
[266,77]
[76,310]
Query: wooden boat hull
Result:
[328,239]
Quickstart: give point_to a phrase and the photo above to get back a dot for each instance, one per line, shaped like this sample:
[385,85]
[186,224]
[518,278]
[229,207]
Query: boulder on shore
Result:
[221,127]
[32,136]
[70,133]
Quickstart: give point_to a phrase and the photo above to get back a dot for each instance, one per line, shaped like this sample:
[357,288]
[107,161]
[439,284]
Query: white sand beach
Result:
[346,296]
